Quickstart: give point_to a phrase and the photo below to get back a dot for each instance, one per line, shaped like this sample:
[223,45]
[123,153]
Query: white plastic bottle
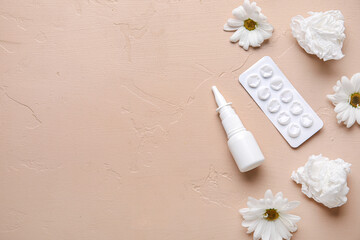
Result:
[242,144]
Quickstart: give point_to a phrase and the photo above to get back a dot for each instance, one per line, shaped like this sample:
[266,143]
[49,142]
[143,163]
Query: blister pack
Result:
[279,100]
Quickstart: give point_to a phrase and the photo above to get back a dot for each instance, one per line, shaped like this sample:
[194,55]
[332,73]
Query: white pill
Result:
[253,80]
[274,106]
[266,71]
[294,130]
[286,96]
[284,118]
[306,120]
[296,108]
[263,93]
[276,83]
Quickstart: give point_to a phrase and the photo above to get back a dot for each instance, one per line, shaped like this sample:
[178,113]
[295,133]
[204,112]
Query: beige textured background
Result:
[108,125]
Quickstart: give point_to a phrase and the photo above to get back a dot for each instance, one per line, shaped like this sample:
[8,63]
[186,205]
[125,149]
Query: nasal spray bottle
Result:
[242,143]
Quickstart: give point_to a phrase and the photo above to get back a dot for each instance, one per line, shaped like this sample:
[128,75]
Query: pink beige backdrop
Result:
[108,127]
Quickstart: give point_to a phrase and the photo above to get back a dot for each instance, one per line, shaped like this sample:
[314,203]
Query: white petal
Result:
[255,38]
[290,221]
[249,9]
[235,23]
[351,119]
[291,205]
[254,226]
[330,97]
[238,35]
[240,13]
[260,37]
[268,194]
[244,39]
[339,96]
[251,225]
[253,203]
[266,27]
[261,18]
[254,15]
[267,232]
[250,214]
[345,115]
[279,195]
[260,229]
[282,230]
[347,86]
[269,203]
[279,203]
[247,223]
[227,28]
[342,96]
[265,33]
[294,218]
[344,78]
[274,234]
[355,80]
[253,12]
[357,113]
[288,224]
[342,106]
[339,117]
[337,86]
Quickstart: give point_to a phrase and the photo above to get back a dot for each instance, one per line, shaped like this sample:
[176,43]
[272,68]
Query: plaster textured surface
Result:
[109,130]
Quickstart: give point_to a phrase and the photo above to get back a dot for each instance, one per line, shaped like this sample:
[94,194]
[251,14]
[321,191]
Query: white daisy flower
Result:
[250,26]
[268,217]
[347,100]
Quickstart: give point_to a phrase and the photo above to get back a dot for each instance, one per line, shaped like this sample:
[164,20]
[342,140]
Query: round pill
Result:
[274,106]
[253,80]
[284,118]
[296,108]
[306,120]
[286,96]
[276,83]
[266,71]
[263,93]
[294,130]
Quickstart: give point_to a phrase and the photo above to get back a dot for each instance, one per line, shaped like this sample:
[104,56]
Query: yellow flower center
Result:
[250,24]
[271,214]
[355,100]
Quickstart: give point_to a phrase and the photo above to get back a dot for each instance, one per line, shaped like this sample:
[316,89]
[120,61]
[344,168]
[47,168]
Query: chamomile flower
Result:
[347,100]
[250,26]
[268,218]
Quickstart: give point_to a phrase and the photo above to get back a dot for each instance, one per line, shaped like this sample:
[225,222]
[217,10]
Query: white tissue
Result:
[324,180]
[321,34]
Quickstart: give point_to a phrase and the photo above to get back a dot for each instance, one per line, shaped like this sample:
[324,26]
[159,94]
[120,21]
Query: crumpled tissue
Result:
[321,34]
